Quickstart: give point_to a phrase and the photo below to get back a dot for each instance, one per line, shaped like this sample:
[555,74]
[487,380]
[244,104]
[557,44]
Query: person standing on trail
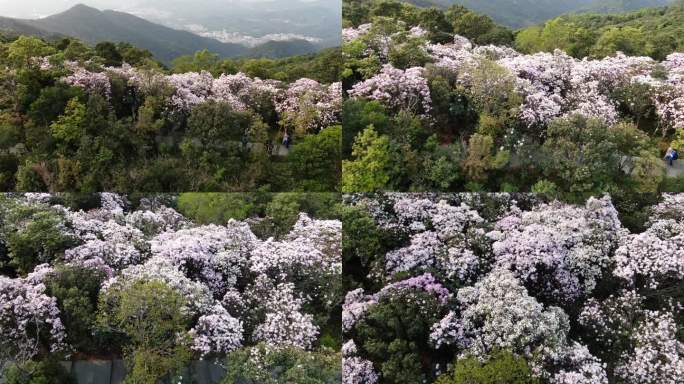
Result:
[671,155]
[286,140]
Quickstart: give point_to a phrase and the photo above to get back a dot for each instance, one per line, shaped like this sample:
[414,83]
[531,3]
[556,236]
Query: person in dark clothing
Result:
[671,155]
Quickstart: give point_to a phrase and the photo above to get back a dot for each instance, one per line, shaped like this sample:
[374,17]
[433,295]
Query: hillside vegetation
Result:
[109,117]
[522,13]
[438,100]
[654,32]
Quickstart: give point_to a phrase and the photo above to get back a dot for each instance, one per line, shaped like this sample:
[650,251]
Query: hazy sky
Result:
[41,8]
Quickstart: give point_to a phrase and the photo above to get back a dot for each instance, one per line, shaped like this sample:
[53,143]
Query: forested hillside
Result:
[521,13]
[109,117]
[654,32]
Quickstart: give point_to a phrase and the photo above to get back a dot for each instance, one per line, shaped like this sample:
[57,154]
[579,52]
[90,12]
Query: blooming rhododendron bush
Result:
[109,275]
[441,286]
[453,108]
[137,126]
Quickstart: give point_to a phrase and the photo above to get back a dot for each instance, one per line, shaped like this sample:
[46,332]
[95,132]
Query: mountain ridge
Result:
[92,26]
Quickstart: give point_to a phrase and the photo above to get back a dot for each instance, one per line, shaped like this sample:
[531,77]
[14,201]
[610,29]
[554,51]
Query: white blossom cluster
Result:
[217,332]
[285,323]
[658,356]
[561,248]
[576,365]
[498,312]
[653,257]
[608,319]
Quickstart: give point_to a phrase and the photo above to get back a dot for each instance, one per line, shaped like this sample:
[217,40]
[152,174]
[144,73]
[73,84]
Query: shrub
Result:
[76,290]
[265,365]
[37,372]
[502,368]
[151,316]
[34,236]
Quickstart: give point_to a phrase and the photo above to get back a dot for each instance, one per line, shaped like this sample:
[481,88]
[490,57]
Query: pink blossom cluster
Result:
[43,63]
[324,235]
[310,104]
[553,85]
[669,101]
[217,332]
[158,220]
[114,239]
[91,82]
[351,34]
[671,207]
[356,304]
[414,213]
[441,235]
[29,320]
[356,370]
[674,62]
[191,88]
[199,297]
[534,264]
[280,258]
[424,283]
[242,91]
[398,89]
[145,80]
[304,101]
[450,330]
[212,254]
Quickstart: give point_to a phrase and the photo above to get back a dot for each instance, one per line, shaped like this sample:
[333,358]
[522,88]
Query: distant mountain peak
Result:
[80,7]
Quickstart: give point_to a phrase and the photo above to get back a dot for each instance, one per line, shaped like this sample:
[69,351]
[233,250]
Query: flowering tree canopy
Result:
[566,287]
[233,287]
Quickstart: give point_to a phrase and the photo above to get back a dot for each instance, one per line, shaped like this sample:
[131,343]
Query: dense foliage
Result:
[430,110]
[113,276]
[500,288]
[103,118]
[521,13]
[654,32]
